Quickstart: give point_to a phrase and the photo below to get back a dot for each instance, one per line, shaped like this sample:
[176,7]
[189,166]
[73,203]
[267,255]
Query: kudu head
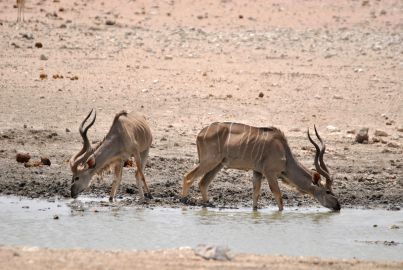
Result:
[83,163]
[323,193]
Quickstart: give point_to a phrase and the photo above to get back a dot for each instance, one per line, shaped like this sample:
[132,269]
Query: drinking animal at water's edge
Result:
[263,150]
[128,136]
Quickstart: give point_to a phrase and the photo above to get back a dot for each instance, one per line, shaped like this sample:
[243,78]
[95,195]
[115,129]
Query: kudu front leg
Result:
[116,181]
[257,183]
[273,183]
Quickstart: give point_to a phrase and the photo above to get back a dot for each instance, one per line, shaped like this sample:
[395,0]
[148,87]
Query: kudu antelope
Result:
[263,150]
[20,6]
[129,136]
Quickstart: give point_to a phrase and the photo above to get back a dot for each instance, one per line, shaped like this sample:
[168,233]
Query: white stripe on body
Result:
[218,138]
[229,136]
[253,148]
[264,144]
[246,143]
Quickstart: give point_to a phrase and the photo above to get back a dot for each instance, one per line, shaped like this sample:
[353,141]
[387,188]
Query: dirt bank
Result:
[185,65]
[33,258]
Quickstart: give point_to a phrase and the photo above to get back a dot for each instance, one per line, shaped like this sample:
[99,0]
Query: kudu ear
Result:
[91,162]
[316,178]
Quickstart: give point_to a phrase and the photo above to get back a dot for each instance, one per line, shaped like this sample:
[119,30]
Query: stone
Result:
[110,22]
[400,128]
[43,57]
[380,133]
[261,94]
[38,45]
[362,135]
[332,128]
[168,57]
[208,252]
[45,161]
[23,157]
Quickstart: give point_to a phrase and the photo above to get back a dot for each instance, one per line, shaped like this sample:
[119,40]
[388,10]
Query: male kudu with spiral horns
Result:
[267,153]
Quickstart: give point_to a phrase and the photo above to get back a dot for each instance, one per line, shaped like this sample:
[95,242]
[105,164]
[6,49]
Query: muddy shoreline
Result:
[368,187]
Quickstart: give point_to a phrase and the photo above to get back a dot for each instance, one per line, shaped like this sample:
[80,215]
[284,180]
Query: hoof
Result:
[184,200]
[207,204]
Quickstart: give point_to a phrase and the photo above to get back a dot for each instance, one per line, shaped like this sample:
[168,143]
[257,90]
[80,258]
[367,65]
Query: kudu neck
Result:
[300,176]
[104,155]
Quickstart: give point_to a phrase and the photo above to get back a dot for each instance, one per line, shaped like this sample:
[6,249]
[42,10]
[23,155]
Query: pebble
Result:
[43,57]
[362,135]
[67,130]
[261,94]
[332,128]
[43,76]
[394,227]
[38,45]
[393,145]
[55,217]
[45,161]
[400,128]
[380,133]
[110,22]
[168,57]
[23,157]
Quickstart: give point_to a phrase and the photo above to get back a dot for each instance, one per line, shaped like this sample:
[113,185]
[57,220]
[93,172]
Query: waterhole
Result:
[90,223]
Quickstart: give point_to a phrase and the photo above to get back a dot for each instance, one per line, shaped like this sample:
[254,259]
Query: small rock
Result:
[333,128]
[67,130]
[45,161]
[351,131]
[38,45]
[261,94]
[168,57]
[23,157]
[393,145]
[295,130]
[43,57]
[400,128]
[394,227]
[374,225]
[110,22]
[337,97]
[43,76]
[240,16]
[28,36]
[213,252]
[55,217]
[362,135]
[380,133]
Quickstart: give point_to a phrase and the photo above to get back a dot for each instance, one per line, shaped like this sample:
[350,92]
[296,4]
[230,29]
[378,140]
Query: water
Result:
[295,232]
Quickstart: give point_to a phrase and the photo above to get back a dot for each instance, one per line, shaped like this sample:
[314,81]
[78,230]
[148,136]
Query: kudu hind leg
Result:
[118,168]
[197,172]
[257,183]
[206,180]
[140,179]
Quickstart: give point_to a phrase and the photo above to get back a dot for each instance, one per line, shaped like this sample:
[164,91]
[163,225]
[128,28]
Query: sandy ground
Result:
[185,64]
[32,258]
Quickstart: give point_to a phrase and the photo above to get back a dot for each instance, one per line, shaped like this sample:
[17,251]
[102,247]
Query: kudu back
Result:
[267,153]
[129,136]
